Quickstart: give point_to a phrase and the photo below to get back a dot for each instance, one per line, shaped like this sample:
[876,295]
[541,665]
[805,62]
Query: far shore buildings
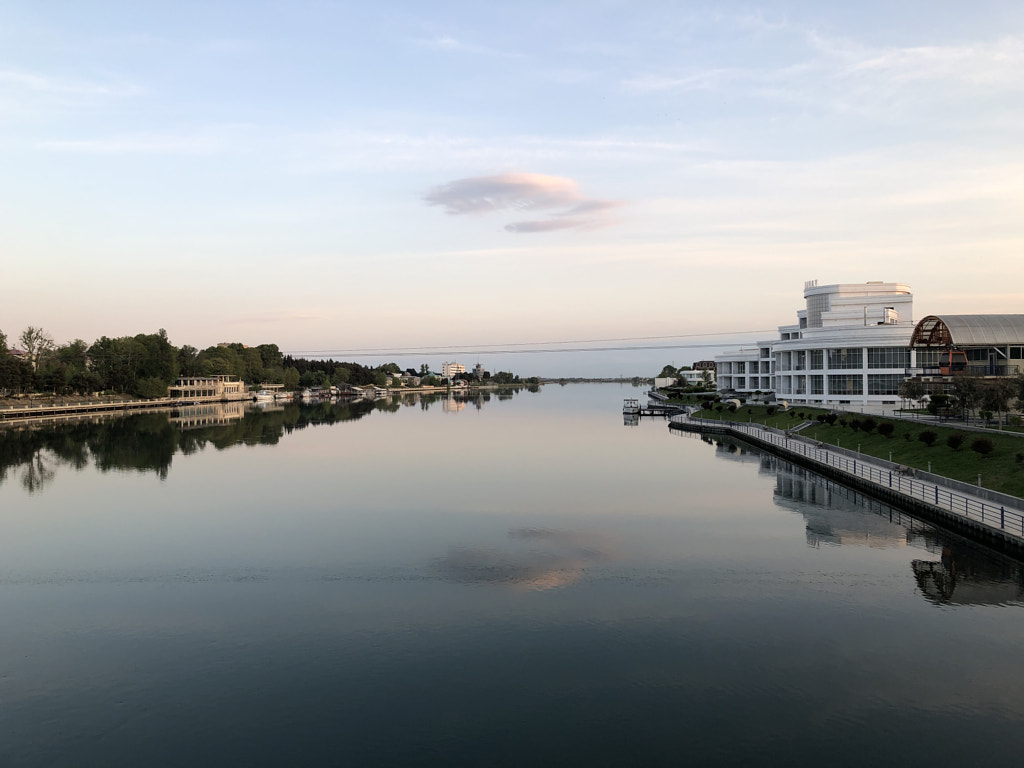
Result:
[208,388]
[856,343]
[450,370]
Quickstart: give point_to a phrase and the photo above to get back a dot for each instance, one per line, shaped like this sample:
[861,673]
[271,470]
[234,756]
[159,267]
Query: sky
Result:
[450,179]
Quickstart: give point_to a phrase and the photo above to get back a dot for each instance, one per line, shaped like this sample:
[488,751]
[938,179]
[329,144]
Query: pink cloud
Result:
[523,192]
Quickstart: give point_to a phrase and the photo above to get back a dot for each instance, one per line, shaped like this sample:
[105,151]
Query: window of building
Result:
[977,355]
[1017,353]
[884,383]
[845,384]
[927,358]
[817,359]
[799,360]
[888,357]
[848,357]
[817,385]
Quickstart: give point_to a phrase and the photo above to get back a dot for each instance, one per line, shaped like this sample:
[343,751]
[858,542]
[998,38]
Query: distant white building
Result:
[450,370]
[850,345]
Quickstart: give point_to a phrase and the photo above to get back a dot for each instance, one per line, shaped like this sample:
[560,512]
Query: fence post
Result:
[1002,518]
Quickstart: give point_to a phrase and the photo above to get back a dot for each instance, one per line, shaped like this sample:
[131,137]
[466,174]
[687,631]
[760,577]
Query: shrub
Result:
[868,424]
[771,410]
[832,419]
[842,422]
[983,445]
[955,440]
[822,417]
[928,437]
[151,387]
[855,424]
[885,429]
[1019,458]
[908,436]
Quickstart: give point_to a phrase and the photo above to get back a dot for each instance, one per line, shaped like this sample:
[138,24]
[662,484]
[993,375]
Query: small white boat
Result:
[631,405]
[263,396]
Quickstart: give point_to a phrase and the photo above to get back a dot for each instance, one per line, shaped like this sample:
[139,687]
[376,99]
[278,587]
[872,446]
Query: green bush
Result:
[955,440]
[868,424]
[983,445]
[928,437]
[885,429]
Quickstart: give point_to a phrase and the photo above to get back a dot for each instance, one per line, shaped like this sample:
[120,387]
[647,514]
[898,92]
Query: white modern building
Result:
[850,345]
[448,370]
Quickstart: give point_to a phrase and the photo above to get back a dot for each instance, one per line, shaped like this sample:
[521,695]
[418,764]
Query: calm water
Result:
[518,581]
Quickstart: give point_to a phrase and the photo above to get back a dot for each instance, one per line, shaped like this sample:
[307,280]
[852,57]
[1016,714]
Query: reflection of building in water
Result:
[837,515]
[739,452]
[207,415]
[962,577]
[452,405]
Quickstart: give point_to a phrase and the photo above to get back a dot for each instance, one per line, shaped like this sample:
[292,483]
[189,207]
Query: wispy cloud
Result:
[522,192]
[203,141]
[843,75]
[37,82]
[455,45]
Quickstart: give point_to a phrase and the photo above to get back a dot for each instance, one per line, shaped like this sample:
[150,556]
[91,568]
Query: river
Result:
[516,579]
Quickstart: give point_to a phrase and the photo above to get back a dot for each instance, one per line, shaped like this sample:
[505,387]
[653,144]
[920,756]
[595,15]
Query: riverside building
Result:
[850,345]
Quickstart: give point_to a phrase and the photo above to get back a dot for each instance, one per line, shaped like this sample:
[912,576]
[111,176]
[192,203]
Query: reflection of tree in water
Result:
[148,442]
[36,474]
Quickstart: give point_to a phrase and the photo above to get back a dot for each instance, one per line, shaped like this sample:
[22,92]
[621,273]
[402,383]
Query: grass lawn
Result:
[1000,470]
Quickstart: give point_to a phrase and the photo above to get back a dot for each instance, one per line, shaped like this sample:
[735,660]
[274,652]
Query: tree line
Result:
[146,364]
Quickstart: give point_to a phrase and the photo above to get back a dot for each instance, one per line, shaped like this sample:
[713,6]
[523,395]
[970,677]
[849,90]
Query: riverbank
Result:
[924,444]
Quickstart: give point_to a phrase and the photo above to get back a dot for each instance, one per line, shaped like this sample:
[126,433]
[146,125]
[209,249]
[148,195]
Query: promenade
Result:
[992,517]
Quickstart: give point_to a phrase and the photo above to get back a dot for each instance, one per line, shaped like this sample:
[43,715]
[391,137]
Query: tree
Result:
[965,387]
[996,395]
[911,389]
[37,343]
[188,361]
[291,378]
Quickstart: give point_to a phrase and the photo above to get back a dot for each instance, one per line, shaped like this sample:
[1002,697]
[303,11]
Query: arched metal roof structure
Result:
[968,331]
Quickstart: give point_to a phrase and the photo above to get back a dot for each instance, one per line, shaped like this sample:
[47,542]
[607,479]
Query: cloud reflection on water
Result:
[535,559]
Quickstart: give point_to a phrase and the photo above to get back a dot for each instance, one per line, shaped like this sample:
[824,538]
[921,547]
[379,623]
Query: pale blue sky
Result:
[333,176]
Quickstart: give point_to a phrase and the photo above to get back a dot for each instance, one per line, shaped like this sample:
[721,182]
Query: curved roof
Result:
[968,330]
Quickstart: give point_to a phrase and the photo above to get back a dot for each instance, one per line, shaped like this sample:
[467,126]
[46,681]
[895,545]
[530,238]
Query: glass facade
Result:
[884,383]
[817,359]
[846,384]
[846,357]
[817,385]
[888,357]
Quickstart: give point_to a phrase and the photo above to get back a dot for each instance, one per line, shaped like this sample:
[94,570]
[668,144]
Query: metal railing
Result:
[971,508]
